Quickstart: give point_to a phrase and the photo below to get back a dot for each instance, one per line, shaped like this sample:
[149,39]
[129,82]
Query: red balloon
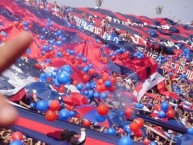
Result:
[112,89]
[113,58]
[146,141]
[50,115]
[68,107]
[17,136]
[140,122]
[75,82]
[138,133]
[171,113]
[125,55]
[61,89]
[100,82]
[86,78]
[103,88]
[157,107]
[38,66]
[102,109]
[105,78]
[134,126]
[55,105]
[98,88]
[113,80]
[128,113]
[91,71]
[86,123]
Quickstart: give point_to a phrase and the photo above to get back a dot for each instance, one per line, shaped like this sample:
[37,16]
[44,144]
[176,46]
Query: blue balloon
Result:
[90,93]
[84,59]
[43,77]
[49,75]
[108,83]
[59,54]
[64,114]
[87,86]
[190,131]
[56,83]
[42,105]
[71,52]
[72,114]
[125,140]
[67,68]
[100,118]
[161,114]
[85,93]
[165,106]
[112,131]
[153,34]
[127,129]
[63,77]
[48,60]
[79,86]
[170,74]
[26,24]
[103,95]
[33,105]
[92,85]
[4,34]
[96,95]
[80,54]
[85,69]
[51,41]
[28,51]
[141,106]
[153,143]
[59,43]
[16,142]
[56,69]
[42,37]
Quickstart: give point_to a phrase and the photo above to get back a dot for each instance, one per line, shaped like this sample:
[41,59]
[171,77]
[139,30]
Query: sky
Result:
[173,9]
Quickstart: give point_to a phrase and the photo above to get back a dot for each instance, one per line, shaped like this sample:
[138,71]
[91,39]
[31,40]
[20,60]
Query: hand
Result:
[82,129]
[9,52]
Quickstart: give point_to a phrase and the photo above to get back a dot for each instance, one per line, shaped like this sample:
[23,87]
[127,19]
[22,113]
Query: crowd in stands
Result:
[6,138]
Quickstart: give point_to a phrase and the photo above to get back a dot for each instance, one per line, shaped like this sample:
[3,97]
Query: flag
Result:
[149,83]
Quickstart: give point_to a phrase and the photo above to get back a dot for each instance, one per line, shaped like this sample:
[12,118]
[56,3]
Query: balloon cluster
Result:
[52,110]
[120,53]
[165,110]
[59,77]
[17,138]
[102,112]
[136,126]
[139,105]
[100,88]
[25,25]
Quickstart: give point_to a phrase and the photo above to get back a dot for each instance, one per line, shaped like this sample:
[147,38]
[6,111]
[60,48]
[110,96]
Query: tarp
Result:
[36,126]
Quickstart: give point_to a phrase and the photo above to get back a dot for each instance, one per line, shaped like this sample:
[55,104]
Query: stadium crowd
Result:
[174,82]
